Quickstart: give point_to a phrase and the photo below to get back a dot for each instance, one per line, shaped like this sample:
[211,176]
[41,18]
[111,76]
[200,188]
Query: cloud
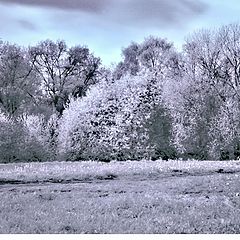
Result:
[26,25]
[83,5]
[102,17]
[104,25]
[133,13]
[157,12]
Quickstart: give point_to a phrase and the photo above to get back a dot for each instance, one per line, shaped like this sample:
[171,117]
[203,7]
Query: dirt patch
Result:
[52,180]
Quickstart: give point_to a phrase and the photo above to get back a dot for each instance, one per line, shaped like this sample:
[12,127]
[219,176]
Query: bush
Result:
[24,140]
[112,122]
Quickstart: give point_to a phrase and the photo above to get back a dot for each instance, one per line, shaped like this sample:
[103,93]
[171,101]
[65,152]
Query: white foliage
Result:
[109,120]
[35,127]
[224,130]
[3,118]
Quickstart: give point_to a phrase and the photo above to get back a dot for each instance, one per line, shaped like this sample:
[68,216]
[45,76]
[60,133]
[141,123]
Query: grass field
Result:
[120,197]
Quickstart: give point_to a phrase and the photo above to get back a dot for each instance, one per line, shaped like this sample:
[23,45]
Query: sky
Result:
[107,26]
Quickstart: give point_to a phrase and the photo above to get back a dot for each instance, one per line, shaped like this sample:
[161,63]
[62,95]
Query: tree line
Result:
[61,103]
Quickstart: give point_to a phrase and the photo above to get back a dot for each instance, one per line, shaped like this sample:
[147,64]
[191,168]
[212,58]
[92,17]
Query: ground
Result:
[120,197]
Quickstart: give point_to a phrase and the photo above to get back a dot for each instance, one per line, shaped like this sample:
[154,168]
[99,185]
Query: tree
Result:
[210,108]
[130,64]
[64,71]
[125,116]
[23,140]
[153,54]
[18,85]
[110,122]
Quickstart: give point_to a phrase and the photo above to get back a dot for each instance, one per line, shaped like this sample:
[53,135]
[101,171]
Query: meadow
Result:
[120,197]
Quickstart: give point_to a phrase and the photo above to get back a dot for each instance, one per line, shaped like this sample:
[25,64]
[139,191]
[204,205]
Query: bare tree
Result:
[63,71]
[18,84]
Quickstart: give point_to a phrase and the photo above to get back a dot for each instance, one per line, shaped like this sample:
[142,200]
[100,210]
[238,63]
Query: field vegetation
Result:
[120,197]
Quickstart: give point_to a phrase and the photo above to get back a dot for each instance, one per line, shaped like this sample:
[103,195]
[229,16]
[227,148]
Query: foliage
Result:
[109,123]
[58,103]
[63,70]
[18,85]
